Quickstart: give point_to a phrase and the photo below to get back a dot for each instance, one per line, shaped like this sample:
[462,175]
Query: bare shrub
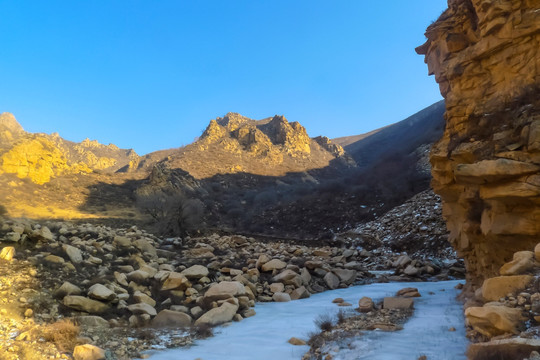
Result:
[63,334]
[325,322]
[174,214]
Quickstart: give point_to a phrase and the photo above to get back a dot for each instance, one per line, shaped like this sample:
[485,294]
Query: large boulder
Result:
[331,280]
[365,304]
[141,309]
[300,293]
[74,254]
[171,319]
[494,320]
[398,303]
[274,264]
[82,303]
[515,348]
[288,277]
[522,262]
[218,316]
[88,352]
[195,272]
[345,276]
[281,297]
[225,290]
[176,281]
[101,292]
[65,289]
[497,287]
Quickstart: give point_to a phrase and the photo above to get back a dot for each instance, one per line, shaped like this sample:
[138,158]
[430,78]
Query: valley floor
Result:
[119,290]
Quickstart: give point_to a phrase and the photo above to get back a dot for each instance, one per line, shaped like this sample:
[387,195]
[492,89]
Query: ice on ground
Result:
[264,336]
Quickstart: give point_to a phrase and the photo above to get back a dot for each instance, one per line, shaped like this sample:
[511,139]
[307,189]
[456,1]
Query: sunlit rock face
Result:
[41,157]
[485,55]
[271,147]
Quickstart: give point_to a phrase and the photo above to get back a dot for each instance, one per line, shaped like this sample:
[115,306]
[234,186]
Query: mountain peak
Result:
[9,123]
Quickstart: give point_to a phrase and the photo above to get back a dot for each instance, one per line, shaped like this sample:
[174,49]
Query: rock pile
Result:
[507,307]
[117,280]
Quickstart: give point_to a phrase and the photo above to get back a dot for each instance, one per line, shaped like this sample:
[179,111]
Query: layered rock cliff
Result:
[272,147]
[485,55]
[40,157]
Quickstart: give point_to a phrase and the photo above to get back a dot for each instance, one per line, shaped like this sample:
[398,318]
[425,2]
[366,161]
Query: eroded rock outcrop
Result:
[272,147]
[40,157]
[485,55]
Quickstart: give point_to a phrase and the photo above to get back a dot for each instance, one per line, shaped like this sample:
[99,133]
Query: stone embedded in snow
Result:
[296,341]
[101,292]
[494,320]
[331,280]
[281,297]
[300,293]
[195,272]
[274,264]
[408,292]
[397,303]
[218,316]
[73,253]
[88,352]
[365,304]
[82,303]
[173,319]
[497,287]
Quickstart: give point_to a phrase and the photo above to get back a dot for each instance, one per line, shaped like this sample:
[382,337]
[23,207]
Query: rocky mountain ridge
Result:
[40,157]
[268,147]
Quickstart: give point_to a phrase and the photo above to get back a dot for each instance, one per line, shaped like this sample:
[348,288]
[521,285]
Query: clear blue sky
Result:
[150,75]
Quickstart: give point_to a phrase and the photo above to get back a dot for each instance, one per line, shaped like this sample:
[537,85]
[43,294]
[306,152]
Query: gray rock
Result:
[82,303]
[171,319]
[218,316]
[331,280]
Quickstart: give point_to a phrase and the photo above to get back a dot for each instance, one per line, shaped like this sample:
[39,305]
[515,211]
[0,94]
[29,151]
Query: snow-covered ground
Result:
[265,335]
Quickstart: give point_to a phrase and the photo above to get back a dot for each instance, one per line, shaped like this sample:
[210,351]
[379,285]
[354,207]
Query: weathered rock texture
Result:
[272,146]
[485,55]
[40,157]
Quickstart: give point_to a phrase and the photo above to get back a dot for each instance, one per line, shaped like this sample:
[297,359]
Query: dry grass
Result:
[62,333]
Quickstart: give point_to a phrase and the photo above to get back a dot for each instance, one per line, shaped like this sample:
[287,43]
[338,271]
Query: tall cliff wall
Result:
[485,55]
